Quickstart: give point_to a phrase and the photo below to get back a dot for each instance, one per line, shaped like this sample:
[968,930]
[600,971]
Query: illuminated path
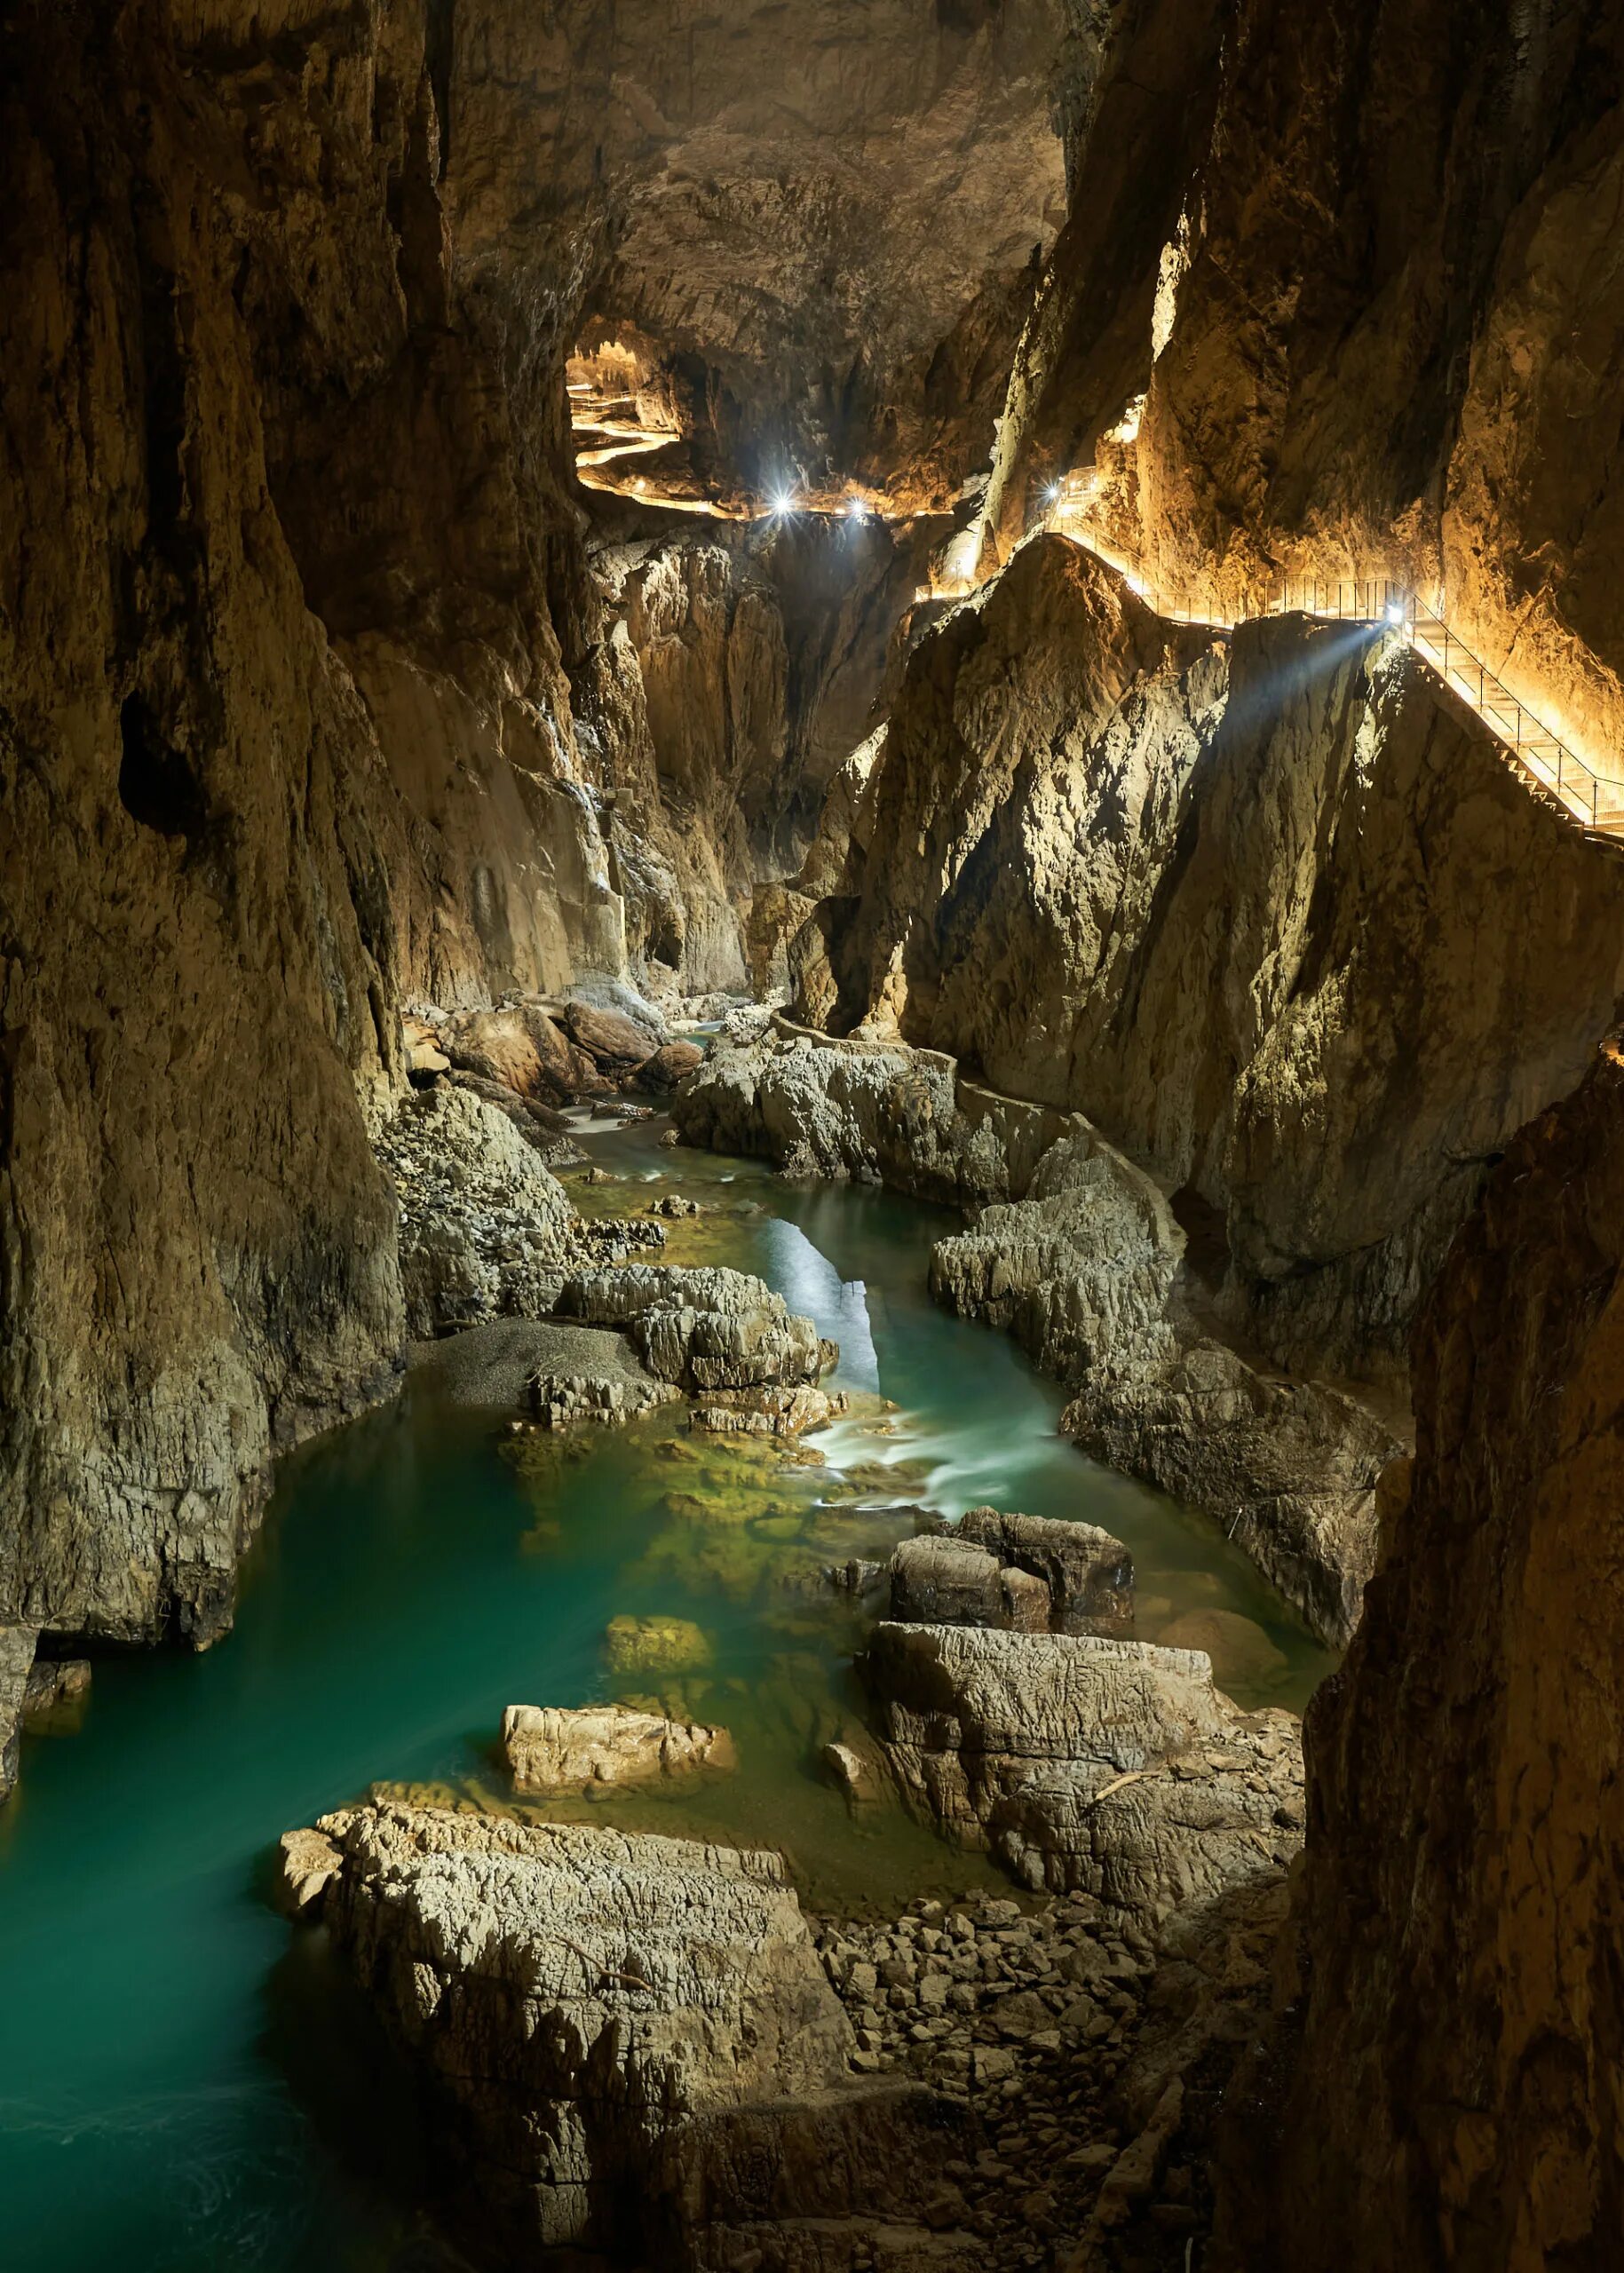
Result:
[1543,763]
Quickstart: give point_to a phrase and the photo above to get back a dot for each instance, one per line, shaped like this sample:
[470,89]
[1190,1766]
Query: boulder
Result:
[1086,1764]
[521,1049]
[551,1749]
[1238,1647]
[632,2045]
[656,1644]
[615,1044]
[945,1581]
[1087,1572]
[702,1329]
[668,1065]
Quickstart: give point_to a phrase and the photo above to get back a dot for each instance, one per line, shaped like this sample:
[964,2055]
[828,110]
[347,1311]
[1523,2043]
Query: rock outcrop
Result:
[874,1112]
[551,1749]
[1290,350]
[486,1229]
[702,1330]
[1109,1766]
[1083,1257]
[1028,1574]
[17,1643]
[1224,897]
[1439,2089]
[630,2042]
[1087,1573]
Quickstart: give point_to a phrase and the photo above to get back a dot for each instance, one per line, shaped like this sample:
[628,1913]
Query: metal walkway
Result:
[1546,765]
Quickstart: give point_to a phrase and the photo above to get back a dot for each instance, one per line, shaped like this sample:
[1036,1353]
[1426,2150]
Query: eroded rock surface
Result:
[1089,1575]
[1028,1574]
[1081,1256]
[1441,2079]
[1108,1766]
[630,2041]
[551,1748]
[17,1643]
[701,1329]
[486,1229]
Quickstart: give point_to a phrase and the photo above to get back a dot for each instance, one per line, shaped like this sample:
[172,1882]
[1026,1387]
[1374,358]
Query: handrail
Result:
[1590,798]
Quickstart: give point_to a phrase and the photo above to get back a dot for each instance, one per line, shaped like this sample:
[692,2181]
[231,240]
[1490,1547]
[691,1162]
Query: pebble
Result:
[982,2000]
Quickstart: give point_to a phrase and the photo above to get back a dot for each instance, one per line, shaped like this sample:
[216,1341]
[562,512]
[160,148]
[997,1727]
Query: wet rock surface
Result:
[1085,1262]
[702,1329]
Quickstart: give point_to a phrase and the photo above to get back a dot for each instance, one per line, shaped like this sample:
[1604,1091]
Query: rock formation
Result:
[1113,1767]
[551,1749]
[1438,2090]
[1031,1573]
[704,1330]
[1087,1264]
[1226,897]
[628,2041]
[16,1662]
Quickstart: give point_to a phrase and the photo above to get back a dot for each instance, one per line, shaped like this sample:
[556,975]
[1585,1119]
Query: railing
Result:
[1592,799]
[1355,600]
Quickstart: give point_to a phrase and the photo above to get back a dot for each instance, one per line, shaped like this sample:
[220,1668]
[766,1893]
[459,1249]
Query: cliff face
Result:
[1360,270]
[1449,2054]
[1271,912]
[737,670]
[297,625]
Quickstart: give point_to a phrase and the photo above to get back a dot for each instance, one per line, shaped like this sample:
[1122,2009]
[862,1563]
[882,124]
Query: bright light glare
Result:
[782,502]
[1052,492]
[1395,613]
[855,508]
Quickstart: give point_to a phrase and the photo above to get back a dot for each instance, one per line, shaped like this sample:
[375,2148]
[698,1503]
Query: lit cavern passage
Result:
[811,1137]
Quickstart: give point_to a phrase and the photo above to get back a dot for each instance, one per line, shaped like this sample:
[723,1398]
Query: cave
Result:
[812,1137]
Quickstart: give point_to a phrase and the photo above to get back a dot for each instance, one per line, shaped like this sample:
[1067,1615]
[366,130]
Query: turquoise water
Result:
[183,2084]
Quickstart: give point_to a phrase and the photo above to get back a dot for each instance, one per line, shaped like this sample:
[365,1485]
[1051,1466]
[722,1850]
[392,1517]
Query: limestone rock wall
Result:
[1360,270]
[1270,910]
[829,221]
[310,703]
[737,670]
[1440,2089]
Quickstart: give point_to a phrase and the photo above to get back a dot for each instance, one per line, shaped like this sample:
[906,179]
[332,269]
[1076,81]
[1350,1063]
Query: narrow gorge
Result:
[811,932]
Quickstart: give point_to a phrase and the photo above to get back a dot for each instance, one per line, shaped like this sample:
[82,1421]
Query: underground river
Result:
[184,2088]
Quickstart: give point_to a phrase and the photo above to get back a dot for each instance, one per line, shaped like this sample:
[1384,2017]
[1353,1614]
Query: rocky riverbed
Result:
[636,2046]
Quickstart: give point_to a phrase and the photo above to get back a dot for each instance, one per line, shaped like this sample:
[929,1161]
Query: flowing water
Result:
[185,2087]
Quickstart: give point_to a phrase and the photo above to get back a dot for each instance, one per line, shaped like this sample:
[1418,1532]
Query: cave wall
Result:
[1271,911]
[830,218]
[1440,2088]
[1362,268]
[312,701]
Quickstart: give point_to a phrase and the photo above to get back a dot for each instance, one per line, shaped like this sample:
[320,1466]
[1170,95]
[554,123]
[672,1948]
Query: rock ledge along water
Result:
[1084,1762]
[630,2043]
